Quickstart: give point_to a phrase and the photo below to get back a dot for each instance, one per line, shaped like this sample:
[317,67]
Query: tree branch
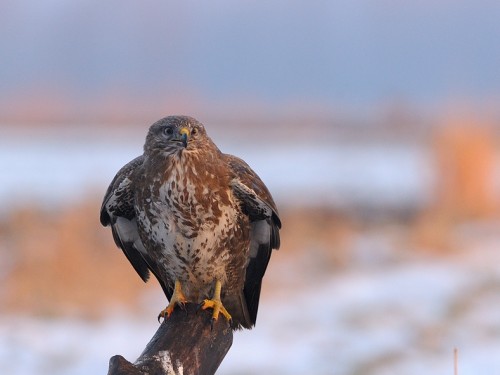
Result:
[184,344]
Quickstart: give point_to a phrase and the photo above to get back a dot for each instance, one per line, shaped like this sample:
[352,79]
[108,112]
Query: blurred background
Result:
[376,125]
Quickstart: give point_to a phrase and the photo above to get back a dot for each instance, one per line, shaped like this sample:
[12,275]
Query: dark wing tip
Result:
[253,280]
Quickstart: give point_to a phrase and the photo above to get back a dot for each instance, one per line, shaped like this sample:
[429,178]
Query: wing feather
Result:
[256,202]
[117,210]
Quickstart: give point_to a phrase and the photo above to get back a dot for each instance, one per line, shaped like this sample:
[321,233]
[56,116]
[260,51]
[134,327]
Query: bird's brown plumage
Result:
[185,211]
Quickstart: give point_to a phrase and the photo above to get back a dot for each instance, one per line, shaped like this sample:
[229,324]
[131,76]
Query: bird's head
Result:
[175,134]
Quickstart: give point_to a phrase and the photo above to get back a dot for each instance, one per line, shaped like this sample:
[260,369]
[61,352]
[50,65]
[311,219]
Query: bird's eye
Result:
[168,131]
[195,130]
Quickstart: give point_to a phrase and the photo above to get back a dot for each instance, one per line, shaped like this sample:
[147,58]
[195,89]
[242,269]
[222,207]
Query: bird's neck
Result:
[183,162]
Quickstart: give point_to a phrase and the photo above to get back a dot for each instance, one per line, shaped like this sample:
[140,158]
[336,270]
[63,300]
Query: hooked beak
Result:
[184,134]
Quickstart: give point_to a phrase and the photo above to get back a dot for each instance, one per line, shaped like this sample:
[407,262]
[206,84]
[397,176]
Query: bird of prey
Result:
[200,220]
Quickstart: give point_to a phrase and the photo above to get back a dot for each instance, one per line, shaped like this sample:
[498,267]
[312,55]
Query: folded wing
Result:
[256,202]
[117,210]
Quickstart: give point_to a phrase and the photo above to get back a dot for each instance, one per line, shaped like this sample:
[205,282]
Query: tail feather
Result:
[237,307]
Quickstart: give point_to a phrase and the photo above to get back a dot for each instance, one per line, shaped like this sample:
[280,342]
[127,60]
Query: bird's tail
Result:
[237,307]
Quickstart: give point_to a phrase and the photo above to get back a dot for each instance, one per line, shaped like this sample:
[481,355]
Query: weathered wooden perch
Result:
[185,344]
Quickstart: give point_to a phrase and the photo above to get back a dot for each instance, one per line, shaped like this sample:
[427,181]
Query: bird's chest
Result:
[191,217]
[195,201]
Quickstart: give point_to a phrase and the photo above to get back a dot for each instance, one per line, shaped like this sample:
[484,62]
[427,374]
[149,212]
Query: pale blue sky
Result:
[341,51]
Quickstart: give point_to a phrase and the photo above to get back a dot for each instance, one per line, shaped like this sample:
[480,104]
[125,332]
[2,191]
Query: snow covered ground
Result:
[398,315]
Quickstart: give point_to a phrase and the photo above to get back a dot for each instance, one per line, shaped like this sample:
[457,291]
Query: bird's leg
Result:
[177,298]
[216,304]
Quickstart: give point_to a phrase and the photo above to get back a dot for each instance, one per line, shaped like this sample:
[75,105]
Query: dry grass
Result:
[63,262]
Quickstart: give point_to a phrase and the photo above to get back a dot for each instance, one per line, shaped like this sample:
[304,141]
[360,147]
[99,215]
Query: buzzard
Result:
[200,220]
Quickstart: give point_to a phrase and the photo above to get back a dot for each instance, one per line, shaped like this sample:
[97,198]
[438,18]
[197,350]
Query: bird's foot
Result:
[215,303]
[218,307]
[177,298]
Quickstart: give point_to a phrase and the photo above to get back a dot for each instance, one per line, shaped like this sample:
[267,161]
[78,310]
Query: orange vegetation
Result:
[63,262]
[466,155]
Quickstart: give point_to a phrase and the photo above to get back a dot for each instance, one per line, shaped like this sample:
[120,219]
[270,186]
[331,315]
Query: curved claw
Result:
[216,304]
[161,315]
[177,299]
[166,312]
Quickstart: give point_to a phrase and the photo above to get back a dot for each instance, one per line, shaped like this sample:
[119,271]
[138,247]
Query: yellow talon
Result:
[177,298]
[216,304]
